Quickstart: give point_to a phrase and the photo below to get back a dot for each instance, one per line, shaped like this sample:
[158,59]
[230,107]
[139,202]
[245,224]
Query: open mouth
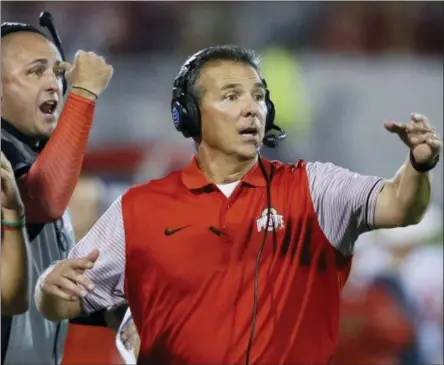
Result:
[48,107]
[249,132]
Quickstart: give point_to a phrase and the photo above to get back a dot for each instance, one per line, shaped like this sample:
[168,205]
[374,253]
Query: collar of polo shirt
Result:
[193,177]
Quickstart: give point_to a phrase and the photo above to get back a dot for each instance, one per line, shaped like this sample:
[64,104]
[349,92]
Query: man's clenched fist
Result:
[89,71]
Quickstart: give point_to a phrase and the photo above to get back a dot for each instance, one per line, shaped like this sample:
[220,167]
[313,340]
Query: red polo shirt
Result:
[186,254]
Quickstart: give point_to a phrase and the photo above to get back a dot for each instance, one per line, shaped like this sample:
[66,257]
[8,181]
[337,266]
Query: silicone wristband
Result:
[423,167]
[18,224]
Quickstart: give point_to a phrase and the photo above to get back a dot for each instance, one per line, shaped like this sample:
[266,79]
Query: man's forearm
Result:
[413,191]
[14,268]
[52,307]
[47,187]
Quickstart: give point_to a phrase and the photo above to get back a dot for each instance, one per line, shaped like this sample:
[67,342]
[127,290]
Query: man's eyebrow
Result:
[234,86]
[229,86]
[39,60]
[259,85]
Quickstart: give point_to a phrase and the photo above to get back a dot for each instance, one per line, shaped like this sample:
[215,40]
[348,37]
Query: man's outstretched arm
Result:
[404,200]
[92,278]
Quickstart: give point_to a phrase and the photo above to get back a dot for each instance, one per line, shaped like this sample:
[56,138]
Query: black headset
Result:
[185,110]
[45,20]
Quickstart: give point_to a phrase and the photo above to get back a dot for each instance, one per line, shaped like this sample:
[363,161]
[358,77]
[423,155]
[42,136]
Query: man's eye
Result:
[231,97]
[37,71]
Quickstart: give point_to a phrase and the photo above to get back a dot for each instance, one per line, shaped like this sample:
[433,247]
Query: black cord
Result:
[258,259]
[56,343]
[62,242]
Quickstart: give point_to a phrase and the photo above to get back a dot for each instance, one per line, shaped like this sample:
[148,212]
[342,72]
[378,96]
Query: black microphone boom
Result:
[271,139]
[46,20]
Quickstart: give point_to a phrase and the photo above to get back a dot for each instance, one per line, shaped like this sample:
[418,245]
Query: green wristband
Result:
[19,224]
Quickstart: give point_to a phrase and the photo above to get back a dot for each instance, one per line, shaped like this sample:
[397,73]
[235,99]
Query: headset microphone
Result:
[271,140]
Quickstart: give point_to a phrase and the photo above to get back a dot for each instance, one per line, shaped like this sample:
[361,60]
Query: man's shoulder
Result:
[290,172]
[169,183]
[287,167]
[302,164]
[325,170]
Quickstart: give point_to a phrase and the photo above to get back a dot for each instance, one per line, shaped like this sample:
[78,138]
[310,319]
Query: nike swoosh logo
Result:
[169,232]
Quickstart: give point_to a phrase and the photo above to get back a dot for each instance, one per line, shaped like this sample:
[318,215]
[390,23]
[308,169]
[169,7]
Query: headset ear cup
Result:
[177,115]
[193,127]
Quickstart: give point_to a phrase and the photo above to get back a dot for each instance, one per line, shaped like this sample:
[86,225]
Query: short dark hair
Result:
[219,53]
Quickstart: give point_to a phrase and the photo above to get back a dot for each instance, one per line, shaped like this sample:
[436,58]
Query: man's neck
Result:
[220,168]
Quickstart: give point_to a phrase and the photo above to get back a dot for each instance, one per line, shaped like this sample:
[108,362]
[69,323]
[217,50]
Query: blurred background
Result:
[336,71]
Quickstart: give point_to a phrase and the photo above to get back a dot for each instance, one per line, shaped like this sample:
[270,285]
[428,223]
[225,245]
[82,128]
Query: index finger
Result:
[82,263]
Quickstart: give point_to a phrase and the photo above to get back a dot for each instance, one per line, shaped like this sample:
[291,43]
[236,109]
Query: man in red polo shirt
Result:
[236,259]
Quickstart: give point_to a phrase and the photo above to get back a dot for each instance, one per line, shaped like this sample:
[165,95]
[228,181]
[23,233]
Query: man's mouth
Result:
[48,107]
[249,132]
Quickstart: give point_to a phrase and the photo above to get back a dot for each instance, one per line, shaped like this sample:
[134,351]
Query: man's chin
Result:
[45,129]
[248,151]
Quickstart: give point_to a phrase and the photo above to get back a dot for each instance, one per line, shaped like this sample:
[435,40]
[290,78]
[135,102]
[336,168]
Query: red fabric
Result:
[47,188]
[87,345]
[191,293]
[374,330]
[121,160]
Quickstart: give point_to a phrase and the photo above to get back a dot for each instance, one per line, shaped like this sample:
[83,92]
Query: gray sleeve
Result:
[108,274]
[344,202]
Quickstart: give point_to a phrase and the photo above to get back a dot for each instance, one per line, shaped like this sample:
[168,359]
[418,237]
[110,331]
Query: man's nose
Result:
[53,83]
[251,107]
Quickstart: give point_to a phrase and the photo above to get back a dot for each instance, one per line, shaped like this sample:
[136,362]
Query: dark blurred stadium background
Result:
[336,71]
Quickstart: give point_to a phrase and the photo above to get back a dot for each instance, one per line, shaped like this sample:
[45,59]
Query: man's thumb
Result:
[393,127]
[93,255]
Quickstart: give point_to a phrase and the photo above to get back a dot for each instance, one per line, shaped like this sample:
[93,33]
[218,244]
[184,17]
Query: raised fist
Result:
[89,71]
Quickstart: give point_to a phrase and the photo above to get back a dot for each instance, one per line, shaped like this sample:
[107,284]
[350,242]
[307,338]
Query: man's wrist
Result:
[13,219]
[423,167]
[84,93]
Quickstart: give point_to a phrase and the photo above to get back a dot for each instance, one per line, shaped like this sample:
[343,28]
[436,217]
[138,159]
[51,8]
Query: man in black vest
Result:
[46,153]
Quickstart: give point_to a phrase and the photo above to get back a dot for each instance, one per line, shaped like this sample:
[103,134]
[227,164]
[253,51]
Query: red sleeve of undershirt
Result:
[47,188]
